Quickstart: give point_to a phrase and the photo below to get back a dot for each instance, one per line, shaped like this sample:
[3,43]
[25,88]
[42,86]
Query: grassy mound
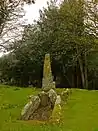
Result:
[79,114]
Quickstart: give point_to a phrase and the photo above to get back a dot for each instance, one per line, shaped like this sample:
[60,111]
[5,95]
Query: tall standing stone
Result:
[47,82]
[47,104]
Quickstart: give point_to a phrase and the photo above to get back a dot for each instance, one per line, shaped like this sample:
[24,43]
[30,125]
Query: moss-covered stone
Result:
[56,114]
[47,82]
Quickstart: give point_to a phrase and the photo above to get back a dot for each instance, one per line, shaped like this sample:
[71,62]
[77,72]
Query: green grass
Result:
[80,114]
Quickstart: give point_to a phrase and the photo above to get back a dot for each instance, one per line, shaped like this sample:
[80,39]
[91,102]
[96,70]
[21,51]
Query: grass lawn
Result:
[79,114]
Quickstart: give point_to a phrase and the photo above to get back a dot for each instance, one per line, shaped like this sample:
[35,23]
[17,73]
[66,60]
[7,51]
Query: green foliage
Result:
[66,34]
[10,11]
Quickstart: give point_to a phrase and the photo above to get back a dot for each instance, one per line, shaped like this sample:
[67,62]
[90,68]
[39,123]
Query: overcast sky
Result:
[32,11]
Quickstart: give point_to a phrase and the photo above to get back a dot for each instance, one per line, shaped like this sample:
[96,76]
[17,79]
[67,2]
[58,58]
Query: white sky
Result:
[32,11]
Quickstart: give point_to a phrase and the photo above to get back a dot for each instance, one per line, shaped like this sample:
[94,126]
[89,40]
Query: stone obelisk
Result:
[47,81]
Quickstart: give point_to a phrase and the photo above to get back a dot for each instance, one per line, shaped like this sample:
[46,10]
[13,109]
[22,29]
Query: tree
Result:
[80,33]
[70,31]
[9,10]
[64,33]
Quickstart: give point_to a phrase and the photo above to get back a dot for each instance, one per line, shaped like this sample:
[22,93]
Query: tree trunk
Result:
[77,75]
[82,73]
[73,77]
[64,71]
[81,68]
[85,69]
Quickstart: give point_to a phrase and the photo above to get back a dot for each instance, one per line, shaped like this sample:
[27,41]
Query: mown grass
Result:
[79,114]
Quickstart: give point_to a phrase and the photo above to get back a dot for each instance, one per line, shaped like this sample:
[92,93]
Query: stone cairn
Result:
[47,104]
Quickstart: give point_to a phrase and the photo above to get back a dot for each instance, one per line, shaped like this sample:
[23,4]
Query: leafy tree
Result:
[9,10]
[66,32]
[68,35]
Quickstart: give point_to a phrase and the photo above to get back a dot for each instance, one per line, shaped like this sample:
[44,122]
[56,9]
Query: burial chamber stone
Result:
[44,99]
[47,104]
[53,96]
[40,107]
[47,81]
[30,107]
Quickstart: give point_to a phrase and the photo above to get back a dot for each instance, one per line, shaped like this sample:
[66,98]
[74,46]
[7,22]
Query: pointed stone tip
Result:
[47,54]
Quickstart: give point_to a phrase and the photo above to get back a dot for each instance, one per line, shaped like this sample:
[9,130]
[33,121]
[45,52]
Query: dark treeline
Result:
[70,34]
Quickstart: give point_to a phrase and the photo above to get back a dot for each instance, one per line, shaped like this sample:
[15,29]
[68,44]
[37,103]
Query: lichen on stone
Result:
[47,81]
[56,114]
[46,106]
